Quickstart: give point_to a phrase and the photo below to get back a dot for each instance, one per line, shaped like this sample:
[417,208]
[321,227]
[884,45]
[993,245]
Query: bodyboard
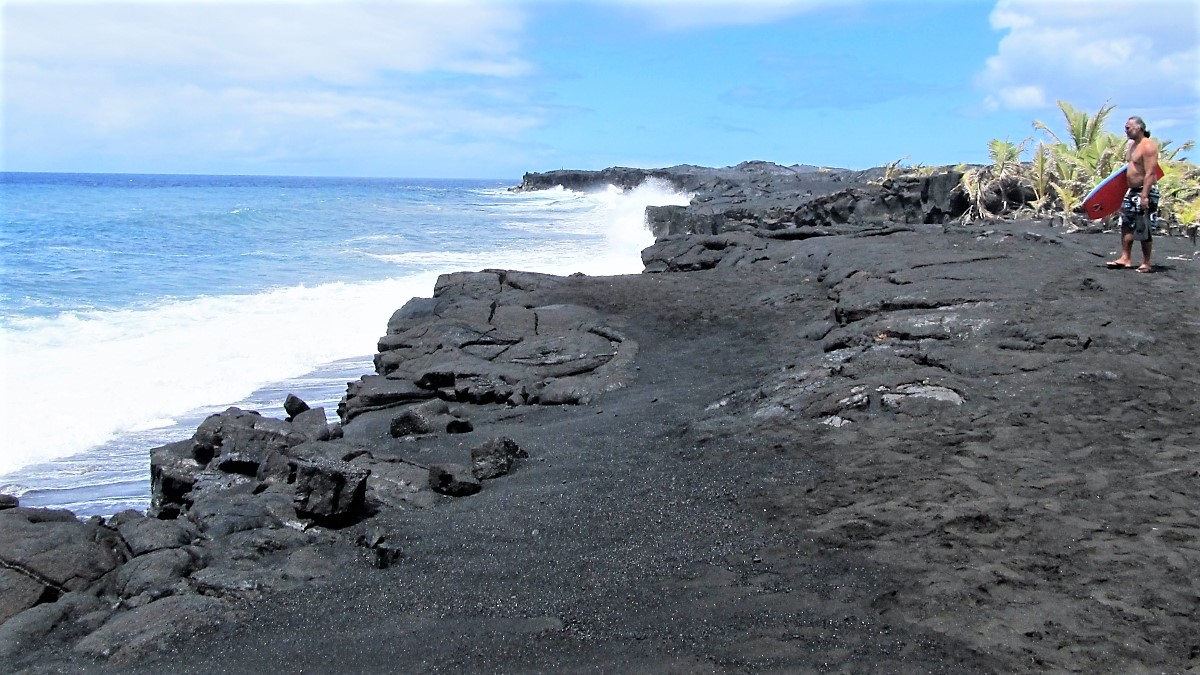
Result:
[1105,199]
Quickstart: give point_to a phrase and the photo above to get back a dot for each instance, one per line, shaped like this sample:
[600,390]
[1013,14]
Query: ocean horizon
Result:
[135,305]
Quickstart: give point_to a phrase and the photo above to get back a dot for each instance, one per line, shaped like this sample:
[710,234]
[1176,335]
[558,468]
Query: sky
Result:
[473,89]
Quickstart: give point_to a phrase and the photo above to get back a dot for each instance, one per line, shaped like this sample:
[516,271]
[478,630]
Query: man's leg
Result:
[1126,247]
[1152,224]
[1125,221]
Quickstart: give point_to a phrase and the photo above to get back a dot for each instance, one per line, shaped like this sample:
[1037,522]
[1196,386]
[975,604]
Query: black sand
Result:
[932,449]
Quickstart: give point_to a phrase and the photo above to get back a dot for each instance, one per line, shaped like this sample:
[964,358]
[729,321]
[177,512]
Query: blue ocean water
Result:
[133,306]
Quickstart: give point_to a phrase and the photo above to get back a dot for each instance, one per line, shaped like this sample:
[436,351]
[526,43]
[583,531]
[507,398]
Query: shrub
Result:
[1062,170]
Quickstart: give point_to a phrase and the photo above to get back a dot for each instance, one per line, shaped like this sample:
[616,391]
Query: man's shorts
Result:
[1132,216]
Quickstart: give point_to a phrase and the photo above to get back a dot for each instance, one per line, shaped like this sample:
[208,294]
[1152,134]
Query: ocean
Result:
[134,306]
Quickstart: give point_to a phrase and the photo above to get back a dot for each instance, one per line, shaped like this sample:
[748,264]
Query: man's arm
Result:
[1150,165]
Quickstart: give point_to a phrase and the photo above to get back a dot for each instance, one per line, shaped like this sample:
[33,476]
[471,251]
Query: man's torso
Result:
[1136,155]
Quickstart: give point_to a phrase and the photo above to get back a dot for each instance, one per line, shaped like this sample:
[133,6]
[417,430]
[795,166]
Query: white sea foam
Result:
[151,425]
[80,379]
[617,218]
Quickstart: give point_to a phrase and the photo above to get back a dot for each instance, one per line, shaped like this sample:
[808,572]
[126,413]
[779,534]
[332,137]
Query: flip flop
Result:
[1145,270]
[1114,265]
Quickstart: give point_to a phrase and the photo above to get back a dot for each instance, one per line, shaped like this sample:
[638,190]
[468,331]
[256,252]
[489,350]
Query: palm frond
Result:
[1005,155]
[1069,198]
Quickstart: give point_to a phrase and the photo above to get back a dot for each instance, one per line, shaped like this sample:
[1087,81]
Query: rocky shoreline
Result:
[831,427]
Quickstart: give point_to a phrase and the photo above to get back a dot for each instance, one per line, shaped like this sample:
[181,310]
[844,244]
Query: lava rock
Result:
[328,489]
[454,480]
[495,457]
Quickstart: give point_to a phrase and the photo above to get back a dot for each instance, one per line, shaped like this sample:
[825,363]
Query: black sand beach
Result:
[831,429]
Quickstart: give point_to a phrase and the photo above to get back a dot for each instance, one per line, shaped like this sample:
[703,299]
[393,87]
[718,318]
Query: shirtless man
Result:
[1142,196]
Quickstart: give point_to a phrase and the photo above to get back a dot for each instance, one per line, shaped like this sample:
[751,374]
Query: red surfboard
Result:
[1105,199]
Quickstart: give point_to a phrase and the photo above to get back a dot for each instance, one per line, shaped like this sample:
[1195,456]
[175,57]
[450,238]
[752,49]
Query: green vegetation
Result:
[899,168]
[1062,170]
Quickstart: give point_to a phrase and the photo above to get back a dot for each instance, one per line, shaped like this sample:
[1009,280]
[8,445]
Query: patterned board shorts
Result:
[1131,208]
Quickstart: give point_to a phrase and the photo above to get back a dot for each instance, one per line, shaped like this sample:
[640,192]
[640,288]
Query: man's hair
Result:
[1141,123]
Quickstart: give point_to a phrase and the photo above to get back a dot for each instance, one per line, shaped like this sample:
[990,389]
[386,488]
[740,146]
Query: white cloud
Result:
[1142,56]
[690,14]
[330,42]
[1022,97]
[195,79]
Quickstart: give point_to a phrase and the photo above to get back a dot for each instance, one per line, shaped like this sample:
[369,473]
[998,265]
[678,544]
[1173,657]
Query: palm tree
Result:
[1082,128]
[1041,175]
[1062,171]
[1088,154]
[1006,155]
[1102,155]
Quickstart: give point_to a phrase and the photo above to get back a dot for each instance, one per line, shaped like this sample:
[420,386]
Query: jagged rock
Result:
[622,177]
[274,468]
[334,449]
[398,485]
[236,441]
[901,396]
[261,544]
[261,561]
[1007,195]
[483,390]
[675,220]
[224,581]
[376,393]
[154,629]
[564,391]
[907,199]
[688,178]
[209,436]
[210,481]
[328,489]
[244,563]
[157,573]
[145,535]
[415,309]
[173,471]
[8,502]
[46,622]
[424,418]
[454,480]
[229,449]
[479,342]
[294,405]
[312,424]
[223,512]
[381,551]
[495,457]
[53,548]
[776,208]
[681,253]
[243,449]
[427,418]
[336,431]
[19,592]
[29,628]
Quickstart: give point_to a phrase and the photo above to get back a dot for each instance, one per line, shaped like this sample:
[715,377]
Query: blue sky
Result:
[493,89]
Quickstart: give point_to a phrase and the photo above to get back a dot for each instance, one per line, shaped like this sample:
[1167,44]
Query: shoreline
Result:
[138,344]
[40,480]
[829,426]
